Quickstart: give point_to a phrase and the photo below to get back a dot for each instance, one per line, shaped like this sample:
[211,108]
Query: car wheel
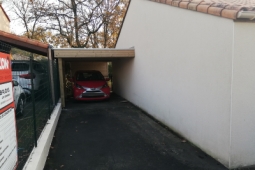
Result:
[20,107]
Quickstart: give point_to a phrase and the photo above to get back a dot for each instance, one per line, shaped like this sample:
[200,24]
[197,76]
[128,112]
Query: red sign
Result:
[8,137]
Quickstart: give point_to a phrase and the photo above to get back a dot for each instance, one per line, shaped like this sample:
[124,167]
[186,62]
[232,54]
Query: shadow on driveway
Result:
[113,135]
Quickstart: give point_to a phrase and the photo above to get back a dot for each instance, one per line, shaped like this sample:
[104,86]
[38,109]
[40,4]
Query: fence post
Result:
[51,75]
[57,84]
[33,97]
[49,91]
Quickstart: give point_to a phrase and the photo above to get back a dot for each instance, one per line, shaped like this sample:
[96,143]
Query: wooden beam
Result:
[61,81]
[94,53]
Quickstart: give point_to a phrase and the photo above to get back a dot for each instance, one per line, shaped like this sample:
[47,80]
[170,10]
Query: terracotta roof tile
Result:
[169,2]
[175,3]
[192,6]
[231,14]
[224,8]
[203,7]
[24,43]
[184,5]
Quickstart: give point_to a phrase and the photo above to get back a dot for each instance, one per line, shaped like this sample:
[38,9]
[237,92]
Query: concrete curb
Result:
[38,156]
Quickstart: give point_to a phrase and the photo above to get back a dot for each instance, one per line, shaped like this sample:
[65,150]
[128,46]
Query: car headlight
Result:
[105,85]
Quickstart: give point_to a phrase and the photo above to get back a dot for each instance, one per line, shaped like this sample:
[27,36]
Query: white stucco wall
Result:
[243,101]
[5,24]
[183,76]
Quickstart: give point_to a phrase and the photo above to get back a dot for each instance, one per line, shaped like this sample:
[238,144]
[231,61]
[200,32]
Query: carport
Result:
[81,55]
[78,55]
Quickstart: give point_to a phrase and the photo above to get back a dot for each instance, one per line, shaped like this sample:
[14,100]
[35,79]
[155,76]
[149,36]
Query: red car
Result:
[90,85]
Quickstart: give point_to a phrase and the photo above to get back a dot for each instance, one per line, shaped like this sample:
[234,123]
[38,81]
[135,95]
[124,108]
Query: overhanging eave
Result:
[97,54]
[24,43]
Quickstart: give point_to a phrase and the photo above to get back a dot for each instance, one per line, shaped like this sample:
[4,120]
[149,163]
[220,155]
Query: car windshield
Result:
[85,76]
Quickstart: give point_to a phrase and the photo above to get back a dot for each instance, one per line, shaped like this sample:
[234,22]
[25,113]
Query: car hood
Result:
[91,84]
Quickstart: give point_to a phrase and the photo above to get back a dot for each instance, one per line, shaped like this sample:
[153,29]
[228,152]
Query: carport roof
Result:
[94,54]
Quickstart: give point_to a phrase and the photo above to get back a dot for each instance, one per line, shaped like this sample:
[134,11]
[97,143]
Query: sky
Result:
[16,27]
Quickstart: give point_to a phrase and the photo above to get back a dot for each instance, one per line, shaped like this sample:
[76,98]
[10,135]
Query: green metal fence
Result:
[33,73]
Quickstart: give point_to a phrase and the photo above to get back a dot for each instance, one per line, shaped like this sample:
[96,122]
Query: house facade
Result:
[194,71]
[4,20]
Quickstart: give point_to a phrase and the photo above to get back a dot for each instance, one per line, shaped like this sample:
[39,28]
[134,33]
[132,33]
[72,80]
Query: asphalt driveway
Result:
[113,135]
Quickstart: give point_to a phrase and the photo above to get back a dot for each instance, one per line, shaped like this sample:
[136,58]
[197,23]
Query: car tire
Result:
[21,105]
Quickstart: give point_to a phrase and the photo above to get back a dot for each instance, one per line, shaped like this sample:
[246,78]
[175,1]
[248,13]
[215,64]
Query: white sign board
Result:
[8,139]
[6,94]
[8,144]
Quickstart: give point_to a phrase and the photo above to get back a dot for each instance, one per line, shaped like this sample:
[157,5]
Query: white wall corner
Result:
[231,96]
[242,137]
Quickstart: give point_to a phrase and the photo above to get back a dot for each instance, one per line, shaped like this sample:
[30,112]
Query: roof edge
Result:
[5,13]
[246,15]
[93,49]
[122,23]
[224,10]
[24,43]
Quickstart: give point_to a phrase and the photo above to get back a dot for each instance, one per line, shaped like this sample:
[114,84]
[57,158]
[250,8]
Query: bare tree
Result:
[76,20]
[76,23]
[79,21]
[47,36]
[30,13]
[114,14]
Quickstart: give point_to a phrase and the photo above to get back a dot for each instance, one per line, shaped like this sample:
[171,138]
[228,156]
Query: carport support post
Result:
[61,81]
[33,97]
[51,76]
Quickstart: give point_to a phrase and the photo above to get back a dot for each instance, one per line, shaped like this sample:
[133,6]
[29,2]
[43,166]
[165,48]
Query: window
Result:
[83,76]
[20,67]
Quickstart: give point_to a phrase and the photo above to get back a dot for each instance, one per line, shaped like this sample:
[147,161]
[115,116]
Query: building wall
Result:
[4,22]
[182,72]
[243,100]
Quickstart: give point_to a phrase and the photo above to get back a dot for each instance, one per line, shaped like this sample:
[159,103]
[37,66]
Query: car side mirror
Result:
[107,79]
[15,83]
